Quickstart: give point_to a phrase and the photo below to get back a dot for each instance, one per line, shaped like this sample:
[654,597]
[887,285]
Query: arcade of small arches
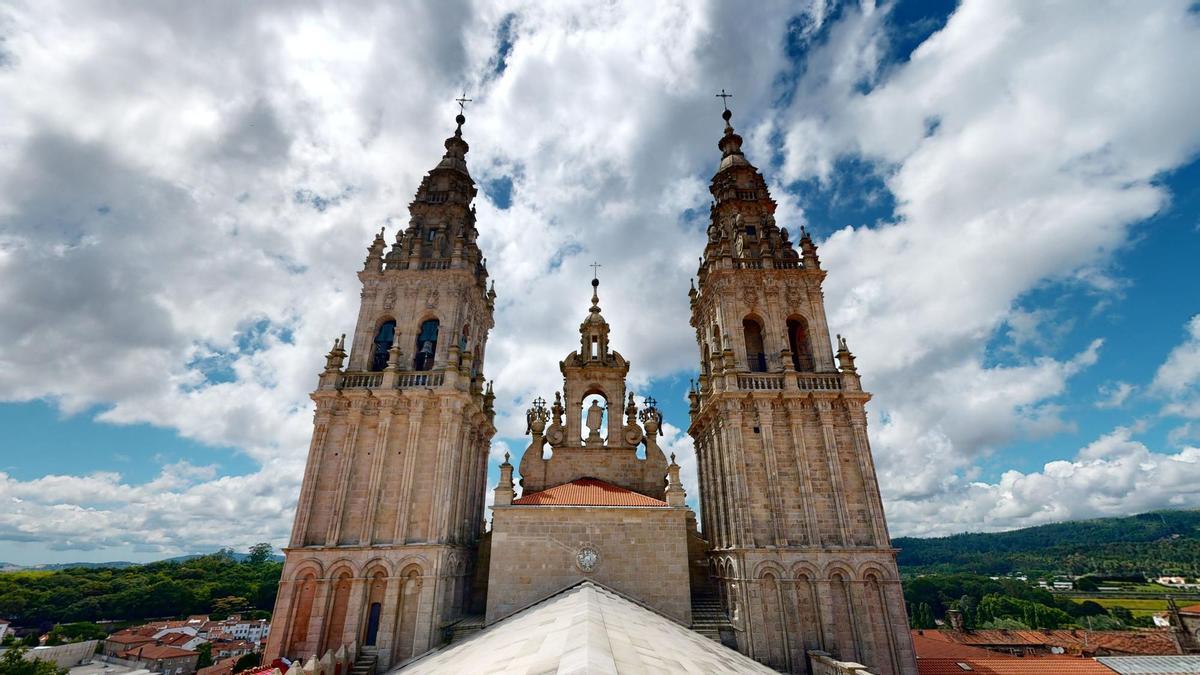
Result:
[381,597]
[759,344]
[832,605]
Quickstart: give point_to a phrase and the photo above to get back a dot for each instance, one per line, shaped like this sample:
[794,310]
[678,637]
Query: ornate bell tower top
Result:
[426,304]
[593,335]
[742,232]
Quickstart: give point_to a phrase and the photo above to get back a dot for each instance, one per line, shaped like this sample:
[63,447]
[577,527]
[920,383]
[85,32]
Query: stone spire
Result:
[441,233]
[593,332]
[742,233]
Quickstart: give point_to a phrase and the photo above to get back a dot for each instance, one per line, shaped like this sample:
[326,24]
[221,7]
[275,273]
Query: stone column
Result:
[376,477]
[777,514]
[439,506]
[344,468]
[745,530]
[408,479]
[838,488]
[304,507]
[320,611]
[725,468]
[387,620]
[862,448]
[812,527]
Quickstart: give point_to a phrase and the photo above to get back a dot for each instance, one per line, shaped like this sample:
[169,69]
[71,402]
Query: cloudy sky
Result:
[1005,196]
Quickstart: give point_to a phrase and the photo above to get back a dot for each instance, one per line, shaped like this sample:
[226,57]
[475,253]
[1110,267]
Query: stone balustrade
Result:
[824,664]
[783,381]
[374,380]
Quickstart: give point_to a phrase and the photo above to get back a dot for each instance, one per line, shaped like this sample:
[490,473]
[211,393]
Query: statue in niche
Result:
[595,417]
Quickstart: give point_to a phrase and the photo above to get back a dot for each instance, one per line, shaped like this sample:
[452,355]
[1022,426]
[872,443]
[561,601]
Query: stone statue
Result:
[595,415]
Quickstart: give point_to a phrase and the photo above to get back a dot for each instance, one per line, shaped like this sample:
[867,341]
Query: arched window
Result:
[384,338]
[426,345]
[466,335]
[755,356]
[798,342]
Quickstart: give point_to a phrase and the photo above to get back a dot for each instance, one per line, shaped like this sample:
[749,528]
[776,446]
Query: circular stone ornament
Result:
[587,558]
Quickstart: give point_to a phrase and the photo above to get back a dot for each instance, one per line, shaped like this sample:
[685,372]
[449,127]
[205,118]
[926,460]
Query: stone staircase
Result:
[464,628]
[709,619]
[368,658]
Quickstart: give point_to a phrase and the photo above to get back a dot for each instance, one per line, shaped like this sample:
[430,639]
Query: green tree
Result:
[247,661]
[13,662]
[259,554]
[206,658]
[229,603]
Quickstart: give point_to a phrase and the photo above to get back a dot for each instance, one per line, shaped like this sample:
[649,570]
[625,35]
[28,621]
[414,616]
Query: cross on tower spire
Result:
[724,99]
[463,101]
[595,266]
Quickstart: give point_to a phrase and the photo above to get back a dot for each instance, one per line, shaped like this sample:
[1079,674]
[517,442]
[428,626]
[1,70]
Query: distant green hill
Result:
[1152,543]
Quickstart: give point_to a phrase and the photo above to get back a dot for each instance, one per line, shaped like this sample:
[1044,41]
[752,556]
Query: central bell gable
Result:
[567,443]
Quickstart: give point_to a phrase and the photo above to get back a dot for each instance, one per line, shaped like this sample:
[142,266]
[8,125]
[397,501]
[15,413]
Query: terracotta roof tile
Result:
[1041,665]
[587,492]
[129,638]
[1145,641]
[933,645]
[156,652]
[1190,609]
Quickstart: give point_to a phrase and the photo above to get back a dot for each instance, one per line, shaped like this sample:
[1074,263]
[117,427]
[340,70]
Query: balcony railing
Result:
[403,381]
[360,380]
[820,383]
[760,381]
[781,381]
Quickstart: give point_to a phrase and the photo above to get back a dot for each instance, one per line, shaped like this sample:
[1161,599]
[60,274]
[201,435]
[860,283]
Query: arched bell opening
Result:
[800,344]
[426,347]
[756,356]
[385,336]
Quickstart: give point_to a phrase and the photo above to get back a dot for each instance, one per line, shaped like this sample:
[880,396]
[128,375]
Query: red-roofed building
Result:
[125,640]
[163,659]
[941,653]
[1070,642]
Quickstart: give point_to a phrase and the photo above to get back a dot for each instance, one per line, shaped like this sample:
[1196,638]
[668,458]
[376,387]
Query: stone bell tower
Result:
[789,501]
[391,506]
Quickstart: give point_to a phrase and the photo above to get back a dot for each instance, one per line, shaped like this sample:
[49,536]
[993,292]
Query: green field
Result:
[1139,606]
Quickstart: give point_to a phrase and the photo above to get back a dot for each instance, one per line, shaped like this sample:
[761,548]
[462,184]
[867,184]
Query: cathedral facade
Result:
[389,554]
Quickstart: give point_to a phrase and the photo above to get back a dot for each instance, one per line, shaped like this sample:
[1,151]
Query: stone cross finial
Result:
[724,99]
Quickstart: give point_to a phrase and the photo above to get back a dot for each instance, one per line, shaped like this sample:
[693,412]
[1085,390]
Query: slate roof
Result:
[587,492]
[585,628]
[1152,665]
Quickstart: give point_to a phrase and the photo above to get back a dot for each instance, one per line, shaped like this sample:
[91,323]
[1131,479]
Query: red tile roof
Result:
[1190,609]
[932,644]
[155,652]
[129,638]
[1040,665]
[1134,642]
[587,492]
